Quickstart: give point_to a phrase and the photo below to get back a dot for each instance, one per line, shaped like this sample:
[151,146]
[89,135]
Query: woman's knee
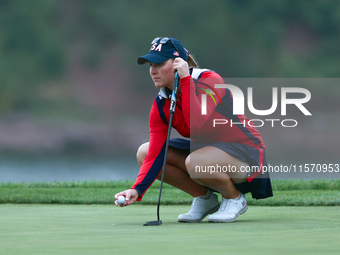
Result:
[142,152]
[190,167]
[187,164]
[192,162]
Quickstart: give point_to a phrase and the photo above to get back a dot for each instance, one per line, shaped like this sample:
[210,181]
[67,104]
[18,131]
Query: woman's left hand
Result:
[182,67]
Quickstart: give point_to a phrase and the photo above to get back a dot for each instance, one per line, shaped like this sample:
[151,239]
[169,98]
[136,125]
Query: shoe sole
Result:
[229,220]
[205,215]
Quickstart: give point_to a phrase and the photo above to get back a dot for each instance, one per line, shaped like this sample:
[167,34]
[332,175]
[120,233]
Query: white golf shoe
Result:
[200,208]
[230,209]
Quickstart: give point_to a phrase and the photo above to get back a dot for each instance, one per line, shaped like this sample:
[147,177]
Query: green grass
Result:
[286,193]
[106,229]
[287,184]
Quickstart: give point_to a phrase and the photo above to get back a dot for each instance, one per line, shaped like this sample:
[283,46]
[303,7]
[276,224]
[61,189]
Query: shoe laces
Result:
[194,202]
[225,203]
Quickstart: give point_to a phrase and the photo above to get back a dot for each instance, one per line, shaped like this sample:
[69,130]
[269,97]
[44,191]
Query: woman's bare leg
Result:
[175,173]
[219,181]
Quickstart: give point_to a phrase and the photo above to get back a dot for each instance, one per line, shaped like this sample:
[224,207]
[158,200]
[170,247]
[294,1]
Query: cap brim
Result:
[152,58]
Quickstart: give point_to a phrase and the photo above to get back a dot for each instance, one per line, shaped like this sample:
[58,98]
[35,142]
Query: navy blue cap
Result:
[162,49]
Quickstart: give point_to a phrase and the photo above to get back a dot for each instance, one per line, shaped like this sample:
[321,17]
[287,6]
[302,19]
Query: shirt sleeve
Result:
[154,160]
[192,98]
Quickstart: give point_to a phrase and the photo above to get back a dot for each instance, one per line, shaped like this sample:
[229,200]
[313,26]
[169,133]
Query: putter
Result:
[172,110]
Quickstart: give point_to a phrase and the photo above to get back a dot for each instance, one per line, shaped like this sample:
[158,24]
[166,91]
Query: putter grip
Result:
[174,94]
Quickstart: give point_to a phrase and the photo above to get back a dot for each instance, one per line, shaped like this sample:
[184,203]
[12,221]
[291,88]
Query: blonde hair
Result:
[191,61]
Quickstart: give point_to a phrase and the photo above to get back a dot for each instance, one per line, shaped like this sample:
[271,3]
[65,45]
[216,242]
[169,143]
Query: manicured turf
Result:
[105,229]
[286,193]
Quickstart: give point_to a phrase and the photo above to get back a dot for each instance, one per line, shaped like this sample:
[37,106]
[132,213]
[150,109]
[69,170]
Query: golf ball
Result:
[121,200]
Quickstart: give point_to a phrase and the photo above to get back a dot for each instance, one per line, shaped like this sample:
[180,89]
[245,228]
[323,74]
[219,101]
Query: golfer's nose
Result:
[153,70]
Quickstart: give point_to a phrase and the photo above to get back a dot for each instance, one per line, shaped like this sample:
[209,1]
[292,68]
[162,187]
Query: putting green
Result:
[105,229]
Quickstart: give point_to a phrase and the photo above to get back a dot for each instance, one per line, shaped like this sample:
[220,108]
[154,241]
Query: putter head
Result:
[153,223]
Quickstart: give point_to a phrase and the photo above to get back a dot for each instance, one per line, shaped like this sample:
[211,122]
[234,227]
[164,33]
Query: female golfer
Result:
[222,148]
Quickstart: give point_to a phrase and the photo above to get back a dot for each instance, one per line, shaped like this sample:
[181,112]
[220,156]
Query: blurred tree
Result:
[278,38]
[30,51]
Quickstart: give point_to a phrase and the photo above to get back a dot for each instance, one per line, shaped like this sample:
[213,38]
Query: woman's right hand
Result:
[130,195]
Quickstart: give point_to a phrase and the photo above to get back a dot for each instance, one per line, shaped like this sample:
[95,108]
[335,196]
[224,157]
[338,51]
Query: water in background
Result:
[69,168]
[31,169]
